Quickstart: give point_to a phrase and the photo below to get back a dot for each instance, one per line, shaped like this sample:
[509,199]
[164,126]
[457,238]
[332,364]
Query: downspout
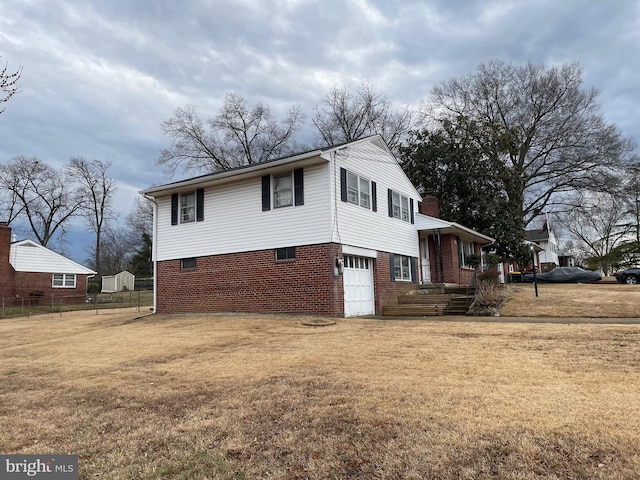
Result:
[154,250]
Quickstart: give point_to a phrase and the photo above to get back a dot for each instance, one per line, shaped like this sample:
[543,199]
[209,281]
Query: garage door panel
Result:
[358,286]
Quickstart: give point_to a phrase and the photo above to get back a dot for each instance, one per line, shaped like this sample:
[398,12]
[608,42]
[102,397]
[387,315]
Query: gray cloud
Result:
[99,77]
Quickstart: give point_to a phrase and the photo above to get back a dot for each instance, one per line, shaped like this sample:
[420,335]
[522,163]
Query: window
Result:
[187,207]
[188,264]
[400,206]
[357,190]
[286,189]
[402,267]
[282,190]
[64,280]
[288,253]
[466,249]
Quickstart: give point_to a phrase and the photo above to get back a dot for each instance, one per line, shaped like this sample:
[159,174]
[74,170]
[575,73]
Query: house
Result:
[546,239]
[29,270]
[336,231]
[118,282]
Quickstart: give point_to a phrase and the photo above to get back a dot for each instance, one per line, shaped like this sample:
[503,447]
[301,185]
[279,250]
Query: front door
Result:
[424,255]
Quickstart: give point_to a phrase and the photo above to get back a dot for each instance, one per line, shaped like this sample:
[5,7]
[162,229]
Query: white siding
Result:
[234,220]
[363,227]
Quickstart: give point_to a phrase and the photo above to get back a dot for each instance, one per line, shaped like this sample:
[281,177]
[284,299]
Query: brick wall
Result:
[254,282]
[450,264]
[386,291]
[430,206]
[28,283]
[7,272]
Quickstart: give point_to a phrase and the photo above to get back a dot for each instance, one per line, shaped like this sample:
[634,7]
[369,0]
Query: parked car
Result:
[630,276]
[564,275]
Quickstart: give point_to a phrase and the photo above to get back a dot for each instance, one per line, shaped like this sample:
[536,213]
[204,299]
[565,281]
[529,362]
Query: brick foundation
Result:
[255,282]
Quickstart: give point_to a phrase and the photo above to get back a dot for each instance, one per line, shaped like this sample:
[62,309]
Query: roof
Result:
[29,256]
[425,222]
[310,157]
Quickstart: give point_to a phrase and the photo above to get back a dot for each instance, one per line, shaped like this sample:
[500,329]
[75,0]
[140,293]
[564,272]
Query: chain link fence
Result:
[36,305]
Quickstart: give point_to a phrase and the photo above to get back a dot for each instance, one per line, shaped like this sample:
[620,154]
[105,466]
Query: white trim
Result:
[358,251]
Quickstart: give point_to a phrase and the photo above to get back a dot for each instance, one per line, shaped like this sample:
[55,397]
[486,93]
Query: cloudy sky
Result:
[99,77]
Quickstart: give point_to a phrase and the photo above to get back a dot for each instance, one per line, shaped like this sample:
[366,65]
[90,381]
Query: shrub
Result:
[93,288]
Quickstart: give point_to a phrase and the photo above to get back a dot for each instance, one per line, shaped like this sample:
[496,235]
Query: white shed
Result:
[118,282]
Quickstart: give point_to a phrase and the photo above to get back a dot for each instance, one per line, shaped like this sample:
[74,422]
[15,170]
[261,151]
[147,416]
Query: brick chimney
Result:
[430,206]
[7,273]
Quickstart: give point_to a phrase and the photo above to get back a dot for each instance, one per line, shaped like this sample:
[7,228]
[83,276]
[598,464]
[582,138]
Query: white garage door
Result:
[358,286]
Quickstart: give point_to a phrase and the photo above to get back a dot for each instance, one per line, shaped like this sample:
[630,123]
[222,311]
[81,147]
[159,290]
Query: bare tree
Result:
[599,222]
[97,188]
[116,249]
[140,219]
[557,140]
[240,134]
[344,116]
[44,196]
[9,84]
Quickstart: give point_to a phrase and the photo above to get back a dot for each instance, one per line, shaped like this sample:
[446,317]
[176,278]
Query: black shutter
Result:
[174,209]
[411,209]
[298,186]
[374,197]
[266,192]
[200,205]
[390,198]
[419,207]
[392,268]
[343,184]
[413,269]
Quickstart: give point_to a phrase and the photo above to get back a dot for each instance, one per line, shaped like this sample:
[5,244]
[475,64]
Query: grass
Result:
[591,300]
[248,396]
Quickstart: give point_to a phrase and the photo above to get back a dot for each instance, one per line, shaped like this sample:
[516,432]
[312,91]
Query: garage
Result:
[358,286]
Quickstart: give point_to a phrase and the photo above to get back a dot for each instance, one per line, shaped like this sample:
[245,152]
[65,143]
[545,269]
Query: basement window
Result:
[288,253]
[188,264]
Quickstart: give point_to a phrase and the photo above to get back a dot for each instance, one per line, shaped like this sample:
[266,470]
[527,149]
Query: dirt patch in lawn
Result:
[195,397]
[593,300]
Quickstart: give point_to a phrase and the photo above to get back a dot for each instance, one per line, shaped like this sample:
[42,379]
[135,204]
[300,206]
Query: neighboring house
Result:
[566,259]
[335,231]
[29,270]
[546,239]
[118,282]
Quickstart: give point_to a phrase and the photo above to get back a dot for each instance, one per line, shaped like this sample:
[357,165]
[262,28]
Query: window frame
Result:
[185,264]
[64,280]
[285,254]
[289,199]
[187,210]
[464,254]
[405,271]
[355,191]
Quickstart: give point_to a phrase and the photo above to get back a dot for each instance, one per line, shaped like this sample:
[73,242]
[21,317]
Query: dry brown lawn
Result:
[232,397]
[591,300]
